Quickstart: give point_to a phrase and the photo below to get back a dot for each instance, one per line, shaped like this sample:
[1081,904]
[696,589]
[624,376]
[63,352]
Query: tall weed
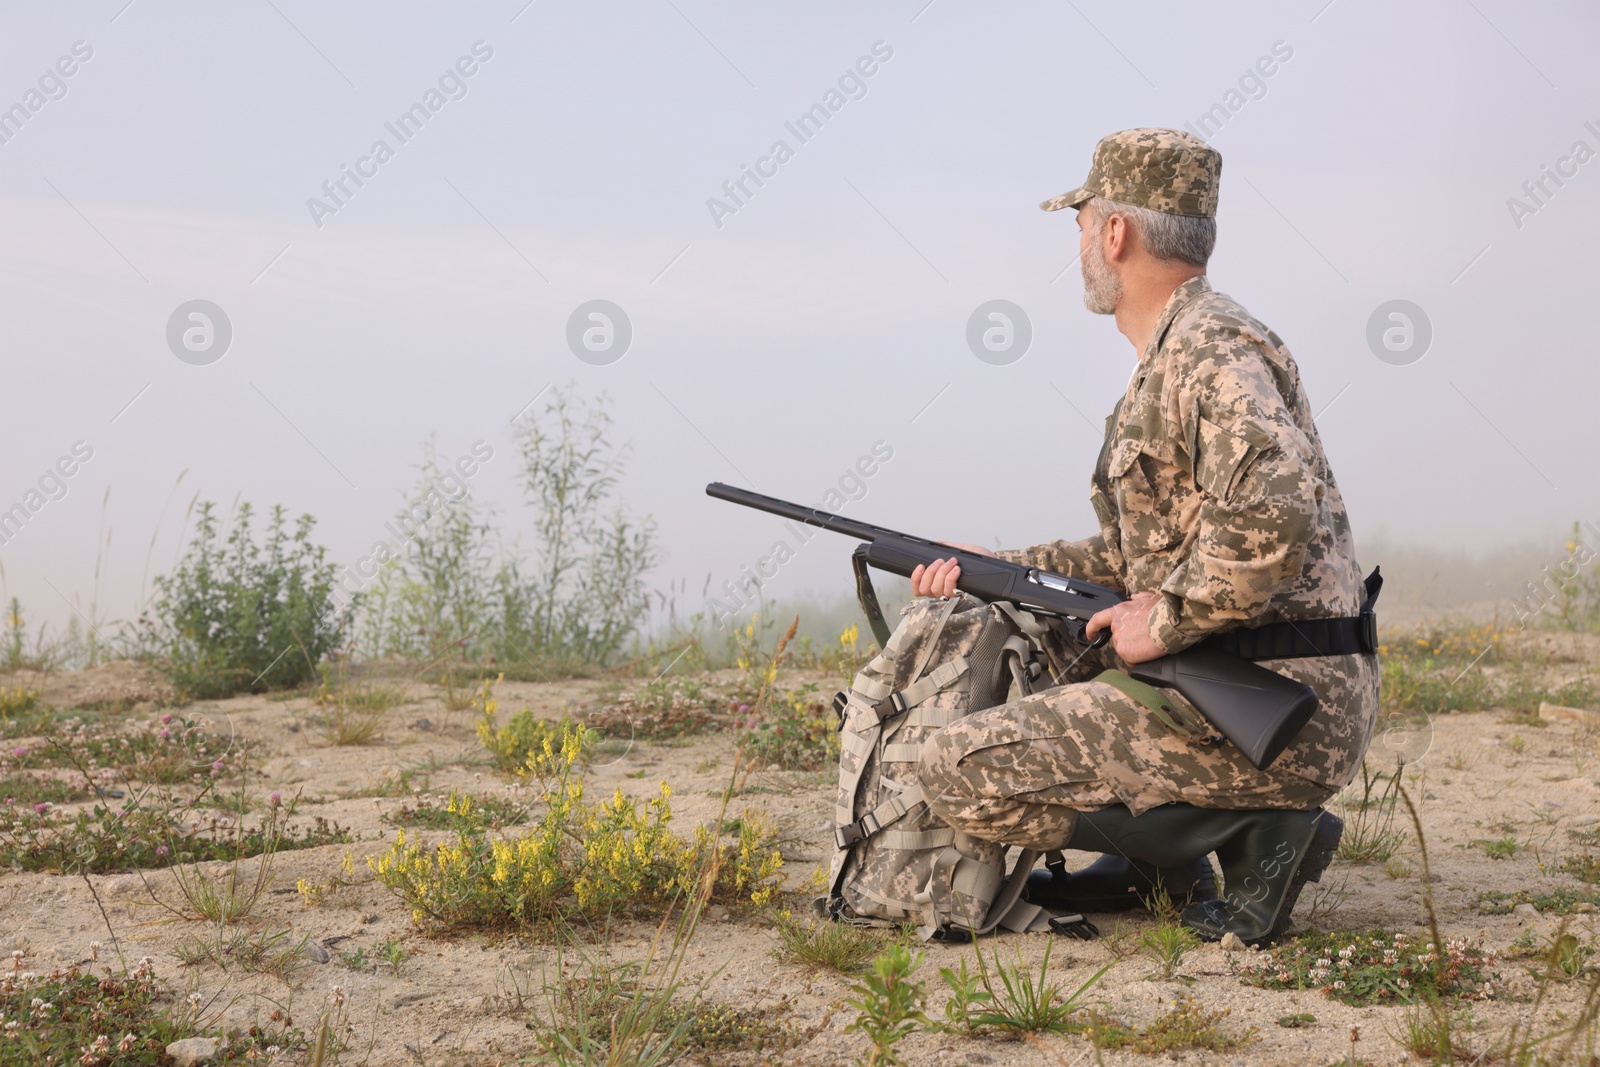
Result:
[238,614]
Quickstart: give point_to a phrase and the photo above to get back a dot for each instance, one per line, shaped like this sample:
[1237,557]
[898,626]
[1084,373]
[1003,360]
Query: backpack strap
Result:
[986,882]
[885,814]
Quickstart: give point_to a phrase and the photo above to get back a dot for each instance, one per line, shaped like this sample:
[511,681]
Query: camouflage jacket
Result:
[1213,488]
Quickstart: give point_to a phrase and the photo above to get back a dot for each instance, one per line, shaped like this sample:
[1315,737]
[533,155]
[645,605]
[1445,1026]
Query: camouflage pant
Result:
[1019,773]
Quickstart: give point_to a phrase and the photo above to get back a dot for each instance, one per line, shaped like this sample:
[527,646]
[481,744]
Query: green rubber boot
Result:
[1116,883]
[1266,855]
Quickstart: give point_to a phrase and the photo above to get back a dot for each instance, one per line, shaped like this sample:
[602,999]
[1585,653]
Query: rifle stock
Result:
[1257,710]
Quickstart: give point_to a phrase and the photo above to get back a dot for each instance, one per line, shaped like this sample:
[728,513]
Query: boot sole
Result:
[1318,856]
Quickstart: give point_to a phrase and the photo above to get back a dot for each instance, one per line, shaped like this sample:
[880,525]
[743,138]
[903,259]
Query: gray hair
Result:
[1186,238]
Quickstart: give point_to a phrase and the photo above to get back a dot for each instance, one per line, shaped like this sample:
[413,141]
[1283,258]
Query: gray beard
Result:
[1102,288]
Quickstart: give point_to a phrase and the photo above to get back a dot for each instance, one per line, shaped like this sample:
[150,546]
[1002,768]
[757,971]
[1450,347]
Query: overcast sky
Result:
[778,336]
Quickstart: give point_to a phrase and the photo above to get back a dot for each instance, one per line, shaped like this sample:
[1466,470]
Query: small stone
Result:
[1558,711]
[1232,943]
[192,1051]
[112,888]
[316,951]
[422,724]
[1527,911]
[717,914]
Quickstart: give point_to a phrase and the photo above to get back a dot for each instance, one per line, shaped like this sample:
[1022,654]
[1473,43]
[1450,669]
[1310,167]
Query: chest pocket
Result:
[1144,484]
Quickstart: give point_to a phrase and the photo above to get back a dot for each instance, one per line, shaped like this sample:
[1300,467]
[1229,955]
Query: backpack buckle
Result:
[1367,630]
[890,706]
[855,832]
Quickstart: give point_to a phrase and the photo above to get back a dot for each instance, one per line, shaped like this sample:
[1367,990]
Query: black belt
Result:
[1308,637]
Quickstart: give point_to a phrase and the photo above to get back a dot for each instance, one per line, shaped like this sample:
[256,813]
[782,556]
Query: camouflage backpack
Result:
[897,862]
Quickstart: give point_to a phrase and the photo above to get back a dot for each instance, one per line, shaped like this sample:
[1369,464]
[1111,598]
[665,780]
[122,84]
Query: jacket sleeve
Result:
[1090,560]
[1259,492]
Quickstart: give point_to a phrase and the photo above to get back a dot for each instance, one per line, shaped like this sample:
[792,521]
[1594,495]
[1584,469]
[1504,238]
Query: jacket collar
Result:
[1180,297]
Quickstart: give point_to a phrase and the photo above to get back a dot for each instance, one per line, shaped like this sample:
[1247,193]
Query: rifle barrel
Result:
[838,524]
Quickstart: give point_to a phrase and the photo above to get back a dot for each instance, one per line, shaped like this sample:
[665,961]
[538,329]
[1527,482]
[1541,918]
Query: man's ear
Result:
[1117,238]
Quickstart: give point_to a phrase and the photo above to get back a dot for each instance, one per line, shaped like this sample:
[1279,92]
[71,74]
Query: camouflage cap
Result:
[1163,170]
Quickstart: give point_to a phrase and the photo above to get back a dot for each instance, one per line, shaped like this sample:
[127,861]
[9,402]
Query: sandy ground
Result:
[456,1000]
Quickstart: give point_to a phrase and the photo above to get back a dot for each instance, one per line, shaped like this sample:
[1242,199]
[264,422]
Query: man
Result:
[1218,511]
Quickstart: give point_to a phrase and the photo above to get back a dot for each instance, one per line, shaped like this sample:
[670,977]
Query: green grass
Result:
[141,833]
[827,945]
[254,950]
[1499,848]
[459,811]
[1369,832]
[1439,667]
[1166,944]
[1186,1026]
[1010,998]
[1563,900]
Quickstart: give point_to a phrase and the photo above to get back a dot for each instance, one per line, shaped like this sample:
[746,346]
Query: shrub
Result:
[787,729]
[660,709]
[17,702]
[1577,600]
[238,614]
[888,1004]
[527,742]
[579,860]
[795,731]
[430,602]
[583,596]
[572,604]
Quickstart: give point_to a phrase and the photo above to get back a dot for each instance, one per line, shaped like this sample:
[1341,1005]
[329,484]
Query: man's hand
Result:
[939,577]
[1129,622]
